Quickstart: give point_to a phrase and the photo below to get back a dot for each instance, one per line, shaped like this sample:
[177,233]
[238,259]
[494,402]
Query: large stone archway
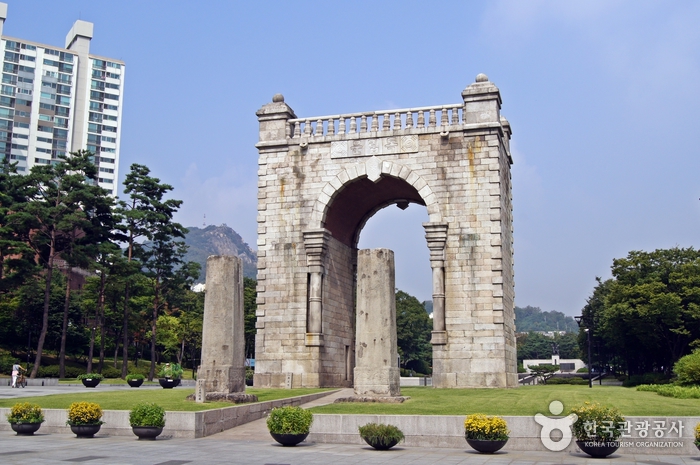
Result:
[320,179]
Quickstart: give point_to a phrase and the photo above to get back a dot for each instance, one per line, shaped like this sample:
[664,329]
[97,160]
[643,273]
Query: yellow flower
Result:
[84,413]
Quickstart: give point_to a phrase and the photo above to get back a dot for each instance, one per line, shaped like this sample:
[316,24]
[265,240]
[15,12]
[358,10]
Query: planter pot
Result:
[134,382]
[485,446]
[90,382]
[148,433]
[288,440]
[25,429]
[380,445]
[85,431]
[598,449]
[168,383]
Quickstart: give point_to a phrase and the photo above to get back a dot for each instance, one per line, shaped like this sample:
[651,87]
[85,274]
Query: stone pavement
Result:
[252,444]
[115,450]
[7,392]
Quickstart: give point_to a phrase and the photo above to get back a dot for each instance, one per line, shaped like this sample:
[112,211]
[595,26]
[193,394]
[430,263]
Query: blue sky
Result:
[602,96]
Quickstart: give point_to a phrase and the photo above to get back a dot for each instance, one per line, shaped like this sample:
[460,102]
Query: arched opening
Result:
[355,208]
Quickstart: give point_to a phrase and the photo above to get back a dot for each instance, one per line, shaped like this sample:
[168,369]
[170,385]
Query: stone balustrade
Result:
[423,119]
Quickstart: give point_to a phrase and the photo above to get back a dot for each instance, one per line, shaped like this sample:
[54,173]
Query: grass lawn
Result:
[525,400]
[169,399]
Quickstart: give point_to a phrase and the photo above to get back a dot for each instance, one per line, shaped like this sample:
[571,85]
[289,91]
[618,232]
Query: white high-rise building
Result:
[57,100]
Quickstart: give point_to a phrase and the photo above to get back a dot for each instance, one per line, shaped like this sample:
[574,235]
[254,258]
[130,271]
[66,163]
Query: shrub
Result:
[6,362]
[24,412]
[84,413]
[582,370]
[96,376]
[569,380]
[669,390]
[380,434]
[249,373]
[170,370]
[52,371]
[488,428]
[646,378]
[111,372]
[147,414]
[289,420]
[687,369]
[597,421]
[697,435]
[134,376]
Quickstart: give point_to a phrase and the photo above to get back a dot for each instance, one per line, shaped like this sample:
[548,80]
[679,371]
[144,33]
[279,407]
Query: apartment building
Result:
[57,100]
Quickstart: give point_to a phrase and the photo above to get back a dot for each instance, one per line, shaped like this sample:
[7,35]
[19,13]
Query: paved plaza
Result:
[252,444]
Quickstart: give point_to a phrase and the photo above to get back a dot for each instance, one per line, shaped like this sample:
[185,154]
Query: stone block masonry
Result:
[222,372]
[320,179]
[377,371]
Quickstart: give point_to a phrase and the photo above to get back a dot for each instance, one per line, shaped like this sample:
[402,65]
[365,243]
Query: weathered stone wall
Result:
[320,180]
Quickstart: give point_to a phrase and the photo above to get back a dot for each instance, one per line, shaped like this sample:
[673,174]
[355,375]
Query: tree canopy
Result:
[647,316]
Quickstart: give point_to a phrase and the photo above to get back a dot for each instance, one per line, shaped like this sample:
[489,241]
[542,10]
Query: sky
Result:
[603,98]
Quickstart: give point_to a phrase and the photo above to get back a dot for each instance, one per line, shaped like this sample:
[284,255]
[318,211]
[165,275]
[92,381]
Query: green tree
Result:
[648,314]
[63,200]
[413,329]
[544,371]
[250,296]
[146,214]
[16,257]
[534,346]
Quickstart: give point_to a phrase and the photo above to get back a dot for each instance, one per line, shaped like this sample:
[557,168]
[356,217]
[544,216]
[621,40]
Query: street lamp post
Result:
[579,320]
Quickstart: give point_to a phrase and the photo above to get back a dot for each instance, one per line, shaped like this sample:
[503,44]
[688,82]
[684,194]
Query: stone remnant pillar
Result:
[221,376]
[376,368]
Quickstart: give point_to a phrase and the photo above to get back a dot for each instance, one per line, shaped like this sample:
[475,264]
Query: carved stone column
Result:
[316,246]
[436,235]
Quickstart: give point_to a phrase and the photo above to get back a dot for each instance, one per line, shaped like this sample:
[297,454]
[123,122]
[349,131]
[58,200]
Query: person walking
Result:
[15,373]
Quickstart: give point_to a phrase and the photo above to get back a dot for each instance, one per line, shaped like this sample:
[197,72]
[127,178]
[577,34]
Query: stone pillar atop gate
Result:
[377,369]
[221,376]
[321,178]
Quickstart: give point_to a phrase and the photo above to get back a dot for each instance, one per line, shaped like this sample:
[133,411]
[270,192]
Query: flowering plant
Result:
[597,421]
[480,426]
[24,412]
[697,435]
[84,413]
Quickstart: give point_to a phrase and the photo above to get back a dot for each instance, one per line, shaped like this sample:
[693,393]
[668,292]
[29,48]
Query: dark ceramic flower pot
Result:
[148,433]
[85,431]
[380,445]
[598,449]
[168,383]
[90,382]
[485,446]
[25,429]
[288,440]
[134,382]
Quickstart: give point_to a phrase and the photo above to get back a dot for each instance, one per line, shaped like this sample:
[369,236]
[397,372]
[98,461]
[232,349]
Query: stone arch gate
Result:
[320,179]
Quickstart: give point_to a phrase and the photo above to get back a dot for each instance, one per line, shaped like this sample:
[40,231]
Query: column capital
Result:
[316,246]
[436,236]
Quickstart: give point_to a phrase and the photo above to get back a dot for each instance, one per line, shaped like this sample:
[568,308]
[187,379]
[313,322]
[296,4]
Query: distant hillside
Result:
[219,240]
[534,319]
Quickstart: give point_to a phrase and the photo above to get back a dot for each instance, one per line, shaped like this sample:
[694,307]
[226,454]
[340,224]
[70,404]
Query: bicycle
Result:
[21,380]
